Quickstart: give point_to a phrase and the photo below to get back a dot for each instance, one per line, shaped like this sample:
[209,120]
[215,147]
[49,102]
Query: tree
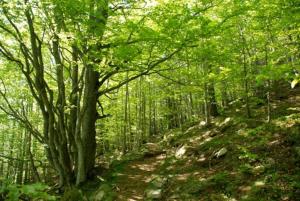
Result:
[150,67]
[68,56]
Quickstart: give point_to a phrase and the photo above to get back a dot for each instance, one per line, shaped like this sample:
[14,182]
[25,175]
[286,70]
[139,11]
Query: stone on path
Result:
[153,193]
[185,150]
[221,152]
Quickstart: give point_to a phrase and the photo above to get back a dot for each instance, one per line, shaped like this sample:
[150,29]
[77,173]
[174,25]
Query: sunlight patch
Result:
[259,183]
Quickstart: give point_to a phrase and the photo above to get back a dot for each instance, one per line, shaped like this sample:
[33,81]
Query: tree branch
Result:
[20,118]
[151,65]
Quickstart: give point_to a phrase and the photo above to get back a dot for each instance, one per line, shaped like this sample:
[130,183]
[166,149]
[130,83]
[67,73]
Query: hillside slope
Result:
[234,159]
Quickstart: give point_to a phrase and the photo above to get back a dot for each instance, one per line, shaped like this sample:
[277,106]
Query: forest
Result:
[128,100]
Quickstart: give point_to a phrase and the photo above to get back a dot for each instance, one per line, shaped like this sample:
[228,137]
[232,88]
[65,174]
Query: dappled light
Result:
[149,100]
[259,183]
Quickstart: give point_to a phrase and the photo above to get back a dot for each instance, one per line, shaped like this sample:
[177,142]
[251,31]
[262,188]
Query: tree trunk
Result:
[268,86]
[86,155]
[21,162]
[246,85]
[213,106]
[206,106]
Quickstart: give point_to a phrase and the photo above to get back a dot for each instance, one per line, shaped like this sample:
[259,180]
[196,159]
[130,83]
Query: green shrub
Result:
[13,192]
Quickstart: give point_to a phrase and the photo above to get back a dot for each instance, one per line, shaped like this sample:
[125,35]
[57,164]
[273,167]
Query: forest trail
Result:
[132,182]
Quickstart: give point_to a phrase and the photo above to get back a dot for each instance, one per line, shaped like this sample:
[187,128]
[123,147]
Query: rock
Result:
[218,197]
[213,133]
[180,152]
[175,197]
[221,152]
[192,129]
[202,123]
[241,132]
[259,169]
[185,151]
[225,124]
[153,194]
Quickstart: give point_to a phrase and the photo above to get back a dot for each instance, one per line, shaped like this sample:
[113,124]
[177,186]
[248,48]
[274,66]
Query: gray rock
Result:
[202,124]
[221,152]
[225,124]
[153,194]
[180,152]
[185,151]
[259,169]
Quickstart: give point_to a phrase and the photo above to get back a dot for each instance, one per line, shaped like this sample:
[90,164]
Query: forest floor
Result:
[236,158]
[135,177]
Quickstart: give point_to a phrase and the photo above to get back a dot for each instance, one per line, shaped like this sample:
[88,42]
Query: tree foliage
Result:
[87,77]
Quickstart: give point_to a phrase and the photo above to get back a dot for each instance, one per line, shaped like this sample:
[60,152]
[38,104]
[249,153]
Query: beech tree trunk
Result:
[213,106]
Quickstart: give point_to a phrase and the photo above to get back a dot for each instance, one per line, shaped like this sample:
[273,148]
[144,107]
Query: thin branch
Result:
[15,114]
[151,65]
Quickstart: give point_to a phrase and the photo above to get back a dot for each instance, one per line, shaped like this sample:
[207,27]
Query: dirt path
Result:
[133,180]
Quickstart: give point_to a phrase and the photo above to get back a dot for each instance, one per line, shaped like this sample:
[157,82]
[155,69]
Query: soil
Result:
[132,182]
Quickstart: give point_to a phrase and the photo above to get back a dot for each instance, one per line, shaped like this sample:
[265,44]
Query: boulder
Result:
[185,151]
[220,153]
[202,123]
[180,152]
[153,194]
[225,124]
